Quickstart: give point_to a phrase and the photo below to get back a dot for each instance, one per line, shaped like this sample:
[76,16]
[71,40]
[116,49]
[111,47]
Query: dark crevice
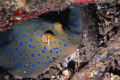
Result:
[3,72]
[49,31]
[115,71]
[61,17]
[83,64]
[71,65]
[45,79]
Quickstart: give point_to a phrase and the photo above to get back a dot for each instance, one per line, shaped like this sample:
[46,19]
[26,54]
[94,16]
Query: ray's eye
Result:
[47,37]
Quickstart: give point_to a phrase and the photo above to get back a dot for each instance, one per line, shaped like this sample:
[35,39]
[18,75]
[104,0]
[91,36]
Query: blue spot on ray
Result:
[47,23]
[49,61]
[60,50]
[26,30]
[9,49]
[45,62]
[20,54]
[65,45]
[67,31]
[5,54]
[12,54]
[27,67]
[13,60]
[72,35]
[16,58]
[68,34]
[25,54]
[23,35]
[20,43]
[75,27]
[42,28]
[33,65]
[40,24]
[33,47]
[38,62]
[34,31]
[63,39]
[32,55]
[23,51]
[43,51]
[30,46]
[53,58]
[29,63]
[47,57]
[38,54]
[52,27]
[25,42]
[69,25]
[51,51]
[23,59]
[45,48]
[53,48]
[9,53]
[56,52]
[57,56]
[56,48]
[42,63]
[68,20]
[44,31]
[40,36]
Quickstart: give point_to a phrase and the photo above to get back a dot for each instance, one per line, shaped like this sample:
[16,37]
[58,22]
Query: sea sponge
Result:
[33,44]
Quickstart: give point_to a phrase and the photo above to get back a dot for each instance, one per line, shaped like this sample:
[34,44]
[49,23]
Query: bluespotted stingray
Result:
[30,46]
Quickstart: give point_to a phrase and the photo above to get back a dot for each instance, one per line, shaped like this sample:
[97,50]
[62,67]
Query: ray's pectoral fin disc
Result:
[34,43]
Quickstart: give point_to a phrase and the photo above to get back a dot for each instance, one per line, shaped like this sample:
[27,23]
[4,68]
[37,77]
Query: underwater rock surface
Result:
[30,46]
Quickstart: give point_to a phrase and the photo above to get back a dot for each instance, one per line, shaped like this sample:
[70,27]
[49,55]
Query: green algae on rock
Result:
[36,42]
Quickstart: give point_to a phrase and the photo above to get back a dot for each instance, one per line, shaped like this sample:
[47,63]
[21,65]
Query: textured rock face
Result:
[32,44]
